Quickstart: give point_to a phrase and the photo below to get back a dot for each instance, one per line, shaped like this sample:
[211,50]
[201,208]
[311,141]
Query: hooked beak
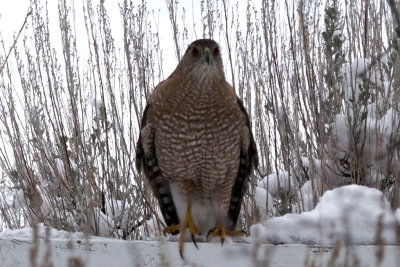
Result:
[206,55]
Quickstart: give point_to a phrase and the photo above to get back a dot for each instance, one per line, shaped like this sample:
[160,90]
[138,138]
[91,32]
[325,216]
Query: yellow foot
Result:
[187,223]
[172,229]
[221,231]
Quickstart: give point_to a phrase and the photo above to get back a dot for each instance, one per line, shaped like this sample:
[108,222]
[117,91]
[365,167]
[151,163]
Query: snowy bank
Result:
[351,214]
[107,252]
[27,232]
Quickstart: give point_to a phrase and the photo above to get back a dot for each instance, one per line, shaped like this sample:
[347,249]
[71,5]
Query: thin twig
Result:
[15,40]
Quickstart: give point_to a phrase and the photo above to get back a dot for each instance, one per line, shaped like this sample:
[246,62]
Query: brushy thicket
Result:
[320,82]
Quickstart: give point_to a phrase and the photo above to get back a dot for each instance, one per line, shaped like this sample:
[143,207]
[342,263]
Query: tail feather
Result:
[248,159]
[160,186]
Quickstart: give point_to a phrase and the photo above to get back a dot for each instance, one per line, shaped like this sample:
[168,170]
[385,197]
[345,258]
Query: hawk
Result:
[196,146]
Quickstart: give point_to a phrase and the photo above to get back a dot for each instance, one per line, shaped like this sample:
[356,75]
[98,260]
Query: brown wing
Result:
[146,159]
[248,160]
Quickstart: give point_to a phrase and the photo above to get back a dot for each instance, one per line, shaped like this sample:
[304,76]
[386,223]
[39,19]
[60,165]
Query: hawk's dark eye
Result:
[216,52]
[195,52]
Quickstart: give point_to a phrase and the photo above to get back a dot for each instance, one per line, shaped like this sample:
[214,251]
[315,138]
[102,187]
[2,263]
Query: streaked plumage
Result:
[196,143]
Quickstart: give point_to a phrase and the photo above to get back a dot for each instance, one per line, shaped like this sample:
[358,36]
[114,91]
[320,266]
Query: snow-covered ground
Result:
[108,252]
[352,214]
[351,225]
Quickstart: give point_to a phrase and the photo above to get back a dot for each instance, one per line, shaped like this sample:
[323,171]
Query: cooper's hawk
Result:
[196,146]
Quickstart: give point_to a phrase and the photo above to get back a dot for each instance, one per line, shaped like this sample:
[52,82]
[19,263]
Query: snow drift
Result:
[351,214]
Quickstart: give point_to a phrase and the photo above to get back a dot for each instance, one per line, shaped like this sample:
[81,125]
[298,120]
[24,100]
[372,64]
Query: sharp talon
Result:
[244,232]
[194,241]
[187,223]
[172,229]
[223,232]
[209,232]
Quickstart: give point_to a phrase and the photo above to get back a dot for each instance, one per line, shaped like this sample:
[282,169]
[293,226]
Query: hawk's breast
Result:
[197,137]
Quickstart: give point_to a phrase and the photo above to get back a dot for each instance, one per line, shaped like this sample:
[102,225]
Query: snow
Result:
[274,182]
[349,214]
[305,197]
[108,252]
[346,219]
[27,232]
[353,77]
[341,132]
[264,202]
[338,33]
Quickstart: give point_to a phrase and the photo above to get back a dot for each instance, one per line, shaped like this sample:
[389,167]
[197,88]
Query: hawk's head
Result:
[203,56]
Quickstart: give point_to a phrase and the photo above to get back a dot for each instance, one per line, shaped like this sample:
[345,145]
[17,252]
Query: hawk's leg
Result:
[223,232]
[187,223]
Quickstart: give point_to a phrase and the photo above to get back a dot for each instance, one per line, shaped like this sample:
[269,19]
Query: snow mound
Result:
[351,214]
[274,183]
[27,232]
